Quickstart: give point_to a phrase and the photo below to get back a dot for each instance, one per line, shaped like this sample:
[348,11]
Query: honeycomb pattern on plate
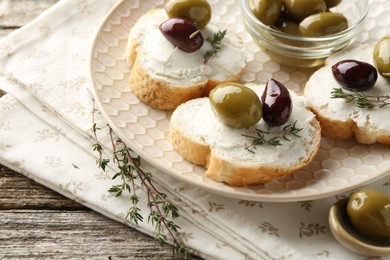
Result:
[339,166]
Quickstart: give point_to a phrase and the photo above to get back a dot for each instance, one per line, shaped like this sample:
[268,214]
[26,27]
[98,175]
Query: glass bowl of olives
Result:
[303,32]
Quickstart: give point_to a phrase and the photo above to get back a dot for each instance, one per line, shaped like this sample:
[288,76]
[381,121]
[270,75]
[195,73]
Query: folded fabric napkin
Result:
[45,122]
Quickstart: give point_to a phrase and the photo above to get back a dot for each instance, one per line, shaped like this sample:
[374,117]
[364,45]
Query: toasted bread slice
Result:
[203,139]
[340,119]
[163,76]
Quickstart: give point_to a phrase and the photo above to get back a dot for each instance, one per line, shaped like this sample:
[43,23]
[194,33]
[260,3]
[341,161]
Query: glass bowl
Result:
[303,51]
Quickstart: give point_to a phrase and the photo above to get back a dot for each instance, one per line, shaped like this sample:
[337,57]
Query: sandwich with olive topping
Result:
[246,135]
[350,99]
[174,59]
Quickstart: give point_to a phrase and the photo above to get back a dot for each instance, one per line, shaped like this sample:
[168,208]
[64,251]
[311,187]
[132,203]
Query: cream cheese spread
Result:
[170,65]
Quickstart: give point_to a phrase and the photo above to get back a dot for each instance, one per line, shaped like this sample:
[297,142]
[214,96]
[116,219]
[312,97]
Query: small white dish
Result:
[347,235]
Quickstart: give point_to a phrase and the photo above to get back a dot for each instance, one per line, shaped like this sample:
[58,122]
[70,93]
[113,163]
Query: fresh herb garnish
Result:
[134,180]
[360,99]
[261,139]
[215,42]
[101,162]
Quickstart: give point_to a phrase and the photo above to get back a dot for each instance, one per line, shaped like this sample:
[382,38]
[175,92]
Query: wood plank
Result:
[72,234]
[44,224]
[19,192]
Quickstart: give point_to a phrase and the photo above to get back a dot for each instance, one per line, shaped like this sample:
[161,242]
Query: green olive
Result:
[287,26]
[300,9]
[267,11]
[197,11]
[381,56]
[322,24]
[369,213]
[236,105]
[332,3]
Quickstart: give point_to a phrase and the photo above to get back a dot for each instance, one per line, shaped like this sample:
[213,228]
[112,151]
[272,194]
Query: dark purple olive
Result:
[182,34]
[276,101]
[354,74]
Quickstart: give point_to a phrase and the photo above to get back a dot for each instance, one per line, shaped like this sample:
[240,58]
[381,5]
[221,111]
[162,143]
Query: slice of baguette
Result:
[340,119]
[198,135]
[163,76]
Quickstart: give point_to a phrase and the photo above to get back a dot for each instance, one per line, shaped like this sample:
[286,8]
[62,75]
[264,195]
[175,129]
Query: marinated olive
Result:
[182,34]
[276,101]
[236,105]
[196,11]
[369,213]
[332,3]
[322,24]
[381,56]
[267,11]
[300,9]
[287,26]
[355,75]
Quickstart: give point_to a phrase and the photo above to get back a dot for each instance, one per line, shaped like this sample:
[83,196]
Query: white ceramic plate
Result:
[339,166]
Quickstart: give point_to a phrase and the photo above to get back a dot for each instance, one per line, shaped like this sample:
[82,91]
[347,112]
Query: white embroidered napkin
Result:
[48,109]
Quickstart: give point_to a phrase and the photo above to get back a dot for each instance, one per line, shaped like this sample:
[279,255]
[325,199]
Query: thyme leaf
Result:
[261,137]
[134,180]
[360,99]
[215,42]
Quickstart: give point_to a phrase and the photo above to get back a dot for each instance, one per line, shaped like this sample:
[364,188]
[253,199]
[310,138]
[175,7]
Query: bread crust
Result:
[241,175]
[194,152]
[222,170]
[336,129]
[159,95]
[384,140]
[341,130]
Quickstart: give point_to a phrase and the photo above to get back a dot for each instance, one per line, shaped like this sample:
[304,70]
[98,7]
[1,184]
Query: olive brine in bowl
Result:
[303,32]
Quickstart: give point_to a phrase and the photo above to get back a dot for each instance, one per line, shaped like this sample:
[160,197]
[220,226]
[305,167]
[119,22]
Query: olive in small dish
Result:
[361,222]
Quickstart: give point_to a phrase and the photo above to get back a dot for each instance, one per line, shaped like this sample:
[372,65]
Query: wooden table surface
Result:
[38,223]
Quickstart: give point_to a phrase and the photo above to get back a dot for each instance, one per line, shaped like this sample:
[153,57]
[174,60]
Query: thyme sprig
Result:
[261,136]
[360,99]
[101,162]
[215,42]
[134,180]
